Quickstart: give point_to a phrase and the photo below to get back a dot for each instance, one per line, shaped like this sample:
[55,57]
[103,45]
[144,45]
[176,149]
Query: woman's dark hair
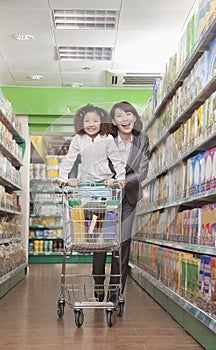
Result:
[106,125]
[126,107]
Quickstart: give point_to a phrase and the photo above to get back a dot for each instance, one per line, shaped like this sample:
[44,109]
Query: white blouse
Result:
[94,158]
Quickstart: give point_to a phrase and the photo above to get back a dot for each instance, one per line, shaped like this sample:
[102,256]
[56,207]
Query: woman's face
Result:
[124,121]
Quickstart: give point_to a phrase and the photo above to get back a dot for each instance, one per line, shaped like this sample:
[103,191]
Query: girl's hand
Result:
[73,182]
[109,182]
[61,184]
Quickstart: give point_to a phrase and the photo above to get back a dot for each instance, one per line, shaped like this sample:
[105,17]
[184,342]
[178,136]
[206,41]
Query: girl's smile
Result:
[92,124]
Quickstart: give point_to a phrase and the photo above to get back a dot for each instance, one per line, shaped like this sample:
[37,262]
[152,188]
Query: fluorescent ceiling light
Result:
[37,77]
[23,36]
[85,19]
[85,53]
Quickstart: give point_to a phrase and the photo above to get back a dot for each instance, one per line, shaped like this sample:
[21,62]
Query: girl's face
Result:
[92,124]
[124,121]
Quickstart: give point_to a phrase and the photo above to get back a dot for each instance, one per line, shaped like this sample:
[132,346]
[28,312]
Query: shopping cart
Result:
[92,223]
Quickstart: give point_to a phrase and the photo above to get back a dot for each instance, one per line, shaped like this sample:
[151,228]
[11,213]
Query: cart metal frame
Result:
[92,223]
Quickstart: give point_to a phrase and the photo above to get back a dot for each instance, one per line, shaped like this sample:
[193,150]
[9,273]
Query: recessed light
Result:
[37,77]
[23,37]
[77,85]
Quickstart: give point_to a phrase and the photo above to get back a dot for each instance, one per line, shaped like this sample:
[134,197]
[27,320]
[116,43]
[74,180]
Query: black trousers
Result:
[99,262]
[99,258]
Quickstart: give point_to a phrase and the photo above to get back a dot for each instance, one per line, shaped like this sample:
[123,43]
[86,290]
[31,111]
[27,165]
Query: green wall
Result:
[48,106]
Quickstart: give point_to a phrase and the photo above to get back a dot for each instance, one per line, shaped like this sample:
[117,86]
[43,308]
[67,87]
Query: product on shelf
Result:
[52,166]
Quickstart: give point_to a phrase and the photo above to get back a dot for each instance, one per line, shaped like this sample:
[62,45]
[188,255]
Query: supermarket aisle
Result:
[28,319]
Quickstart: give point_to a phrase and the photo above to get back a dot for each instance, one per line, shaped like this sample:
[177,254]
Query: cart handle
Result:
[90,184]
[97,184]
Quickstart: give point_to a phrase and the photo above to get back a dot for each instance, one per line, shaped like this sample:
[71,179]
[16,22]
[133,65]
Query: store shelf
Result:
[45,227]
[46,191]
[201,146]
[45,215]
[57,258]
[47,179]
[180,246]
[194,320]
[9,240]
[185,115]
[195,314]
[197,200]
[14,160]
[45,202]
[10,185]
[45,238]
[201,46]
[9,211]
[11,279]
[16,135]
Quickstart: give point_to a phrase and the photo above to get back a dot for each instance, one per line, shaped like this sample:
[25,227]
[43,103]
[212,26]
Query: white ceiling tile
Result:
[86,37]
[85,4]
[31,4]
[24,77]
[147,35]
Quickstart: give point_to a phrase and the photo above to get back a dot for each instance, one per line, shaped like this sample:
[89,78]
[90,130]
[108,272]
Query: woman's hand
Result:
[73,182]
[122,183]
[111,182]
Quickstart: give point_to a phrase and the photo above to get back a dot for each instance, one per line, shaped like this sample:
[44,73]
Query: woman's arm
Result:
[116,159]
[140,173]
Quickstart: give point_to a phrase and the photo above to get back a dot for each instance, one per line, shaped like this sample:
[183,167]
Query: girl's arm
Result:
[69,160]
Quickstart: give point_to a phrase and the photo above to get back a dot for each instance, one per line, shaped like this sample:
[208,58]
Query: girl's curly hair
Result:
[106,125]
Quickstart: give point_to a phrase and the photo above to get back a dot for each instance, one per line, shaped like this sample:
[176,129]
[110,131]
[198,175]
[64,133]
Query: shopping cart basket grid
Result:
[92,223]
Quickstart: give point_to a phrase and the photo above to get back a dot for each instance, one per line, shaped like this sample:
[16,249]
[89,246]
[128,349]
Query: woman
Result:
[134,148]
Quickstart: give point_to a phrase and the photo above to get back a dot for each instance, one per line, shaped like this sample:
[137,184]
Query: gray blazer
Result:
[136,167]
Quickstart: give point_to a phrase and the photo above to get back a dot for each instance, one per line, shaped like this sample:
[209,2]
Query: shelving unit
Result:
[13,260]
[194,320]
[46,221]
[197,314]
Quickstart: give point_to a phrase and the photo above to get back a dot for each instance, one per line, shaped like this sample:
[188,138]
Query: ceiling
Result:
[146,35]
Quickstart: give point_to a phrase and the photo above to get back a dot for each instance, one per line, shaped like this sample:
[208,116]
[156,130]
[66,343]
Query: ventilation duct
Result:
[122,79]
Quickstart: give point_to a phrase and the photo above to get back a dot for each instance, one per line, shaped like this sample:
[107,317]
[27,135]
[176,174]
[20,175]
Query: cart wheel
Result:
[109,314]
[79,317]
[120,309]
[60,308]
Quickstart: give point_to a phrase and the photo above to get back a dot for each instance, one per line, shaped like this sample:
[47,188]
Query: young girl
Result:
[96,147]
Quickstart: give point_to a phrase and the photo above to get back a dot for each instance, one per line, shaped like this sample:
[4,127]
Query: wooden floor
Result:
[28,319]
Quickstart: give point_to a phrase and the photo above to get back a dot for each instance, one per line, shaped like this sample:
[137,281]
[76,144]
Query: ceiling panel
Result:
[85,4]
[75,78]
[21,4]
[147,35]
[84,37]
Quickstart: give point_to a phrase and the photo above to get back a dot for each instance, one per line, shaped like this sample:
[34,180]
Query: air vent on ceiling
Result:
[85,19]
[85,53]
[131,79]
